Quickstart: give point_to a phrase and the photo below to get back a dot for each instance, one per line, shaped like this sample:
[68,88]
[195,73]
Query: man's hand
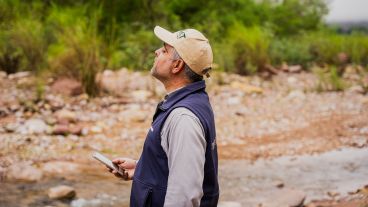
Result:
[127,165]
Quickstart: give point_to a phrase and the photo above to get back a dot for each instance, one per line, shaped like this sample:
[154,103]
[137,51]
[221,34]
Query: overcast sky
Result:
[347,10]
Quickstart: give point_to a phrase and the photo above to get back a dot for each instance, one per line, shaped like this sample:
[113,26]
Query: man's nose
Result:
[157,52]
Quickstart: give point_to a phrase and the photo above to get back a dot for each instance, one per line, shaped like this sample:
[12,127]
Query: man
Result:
[178,164]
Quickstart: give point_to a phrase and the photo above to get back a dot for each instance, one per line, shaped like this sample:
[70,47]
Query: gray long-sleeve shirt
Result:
[183,140]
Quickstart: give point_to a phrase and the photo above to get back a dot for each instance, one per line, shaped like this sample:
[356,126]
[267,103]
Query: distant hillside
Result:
[349,26]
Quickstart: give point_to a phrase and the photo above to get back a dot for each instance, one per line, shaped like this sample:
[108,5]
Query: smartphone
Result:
[106,161]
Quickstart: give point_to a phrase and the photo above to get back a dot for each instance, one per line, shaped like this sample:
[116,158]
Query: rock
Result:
[135,115]
[4,112]
[50,120]
[358,141]
[65,116]
[292,80]
[333,194]
[60,167]
[295,68]
[62,192]
[364,130]
[296,95]
[33,126]
[229,204]
[141,95]
[54,102]
[234,100]
[279,184]
[2,173]
[11,127]
[249,89]
[285,197]
[67,86]
[95,129]
[14,107]
[19,75]
[356,89]
[24,172]
[62,129]
[3,75]
[109,81]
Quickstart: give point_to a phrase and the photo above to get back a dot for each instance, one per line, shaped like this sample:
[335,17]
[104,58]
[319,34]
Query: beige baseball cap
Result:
[192,46]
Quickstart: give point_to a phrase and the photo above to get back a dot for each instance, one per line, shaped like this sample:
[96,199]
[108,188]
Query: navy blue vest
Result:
[151,173]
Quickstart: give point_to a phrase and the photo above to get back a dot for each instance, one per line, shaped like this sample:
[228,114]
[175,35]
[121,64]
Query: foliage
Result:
[79,38]
[248,48]
[329,79]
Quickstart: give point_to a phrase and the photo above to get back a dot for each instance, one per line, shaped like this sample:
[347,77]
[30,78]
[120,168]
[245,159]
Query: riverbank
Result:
[53,131]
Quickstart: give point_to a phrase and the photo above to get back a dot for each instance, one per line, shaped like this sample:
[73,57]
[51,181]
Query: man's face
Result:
[163,62]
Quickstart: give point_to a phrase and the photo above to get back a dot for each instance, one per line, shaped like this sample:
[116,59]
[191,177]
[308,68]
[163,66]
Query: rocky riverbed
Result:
[48,132]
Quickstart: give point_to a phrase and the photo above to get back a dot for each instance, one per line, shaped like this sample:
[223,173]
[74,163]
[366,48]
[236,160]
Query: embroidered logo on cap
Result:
[181,34]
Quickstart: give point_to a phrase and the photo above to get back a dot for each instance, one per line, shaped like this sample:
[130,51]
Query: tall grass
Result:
[76,50]
[246,49]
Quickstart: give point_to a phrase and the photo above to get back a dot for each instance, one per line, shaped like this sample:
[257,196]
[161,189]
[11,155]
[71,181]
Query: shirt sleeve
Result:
[183,140]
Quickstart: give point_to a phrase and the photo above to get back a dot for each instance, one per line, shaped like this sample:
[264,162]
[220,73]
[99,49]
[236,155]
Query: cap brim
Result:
[164,35]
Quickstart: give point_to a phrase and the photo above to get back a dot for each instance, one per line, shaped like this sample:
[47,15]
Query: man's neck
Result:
[174,85]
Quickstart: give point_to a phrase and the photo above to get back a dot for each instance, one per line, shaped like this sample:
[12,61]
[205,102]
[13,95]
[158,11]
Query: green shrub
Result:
[137,51]
[325,47]
[329,79]
[246,49]
[290,50]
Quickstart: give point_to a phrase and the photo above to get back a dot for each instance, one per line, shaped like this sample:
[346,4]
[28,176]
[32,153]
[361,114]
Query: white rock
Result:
[33,126]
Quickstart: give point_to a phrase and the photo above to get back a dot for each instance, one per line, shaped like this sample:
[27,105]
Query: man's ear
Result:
[178,66]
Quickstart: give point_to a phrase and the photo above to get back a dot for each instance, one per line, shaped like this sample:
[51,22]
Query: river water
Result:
[248,183]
